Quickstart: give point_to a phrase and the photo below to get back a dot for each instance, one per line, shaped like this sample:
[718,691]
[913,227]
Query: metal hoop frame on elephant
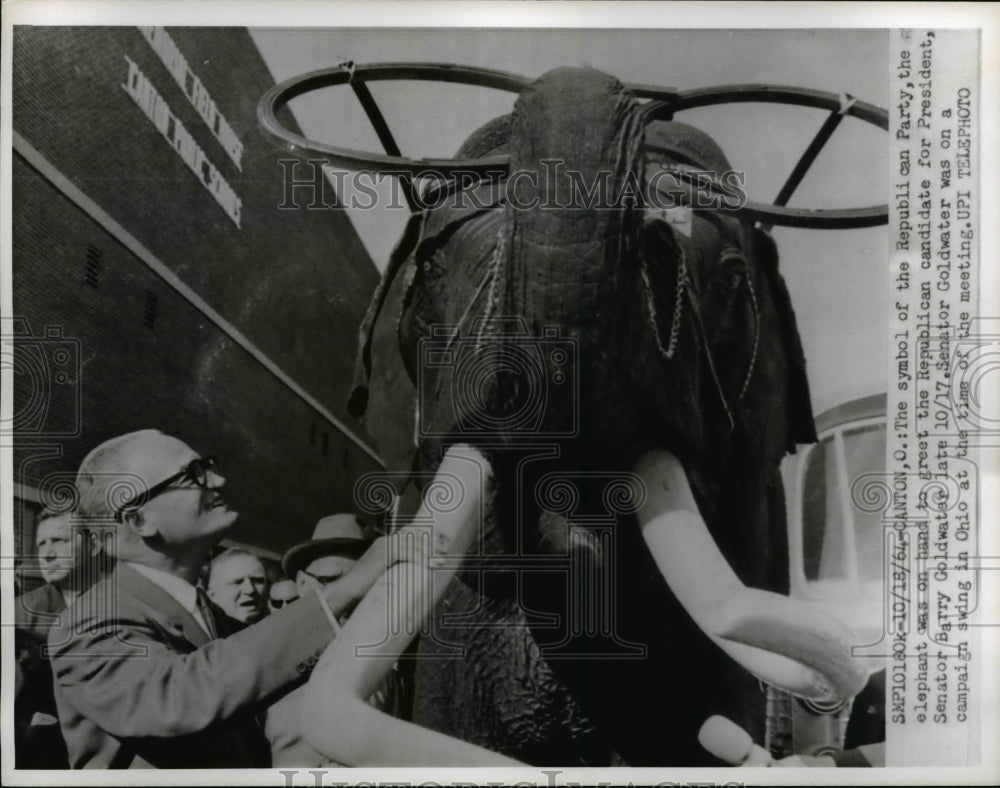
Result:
[662,104]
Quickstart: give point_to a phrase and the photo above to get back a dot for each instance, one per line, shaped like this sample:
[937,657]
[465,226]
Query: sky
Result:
[837,279]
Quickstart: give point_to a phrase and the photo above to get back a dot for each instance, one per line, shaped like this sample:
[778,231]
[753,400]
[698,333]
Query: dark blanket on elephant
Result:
[497,286]
[565,342]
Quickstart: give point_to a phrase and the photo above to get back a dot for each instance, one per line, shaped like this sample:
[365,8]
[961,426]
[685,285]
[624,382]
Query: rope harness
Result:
[675,322]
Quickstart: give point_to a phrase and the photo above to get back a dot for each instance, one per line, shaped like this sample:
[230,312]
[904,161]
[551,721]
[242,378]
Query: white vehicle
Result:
[836,561]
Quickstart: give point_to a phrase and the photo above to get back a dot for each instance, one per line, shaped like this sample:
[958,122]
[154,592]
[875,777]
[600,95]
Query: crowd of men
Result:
[143,650]
[148,647]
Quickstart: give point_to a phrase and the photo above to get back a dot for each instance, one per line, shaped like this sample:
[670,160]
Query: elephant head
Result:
[579,343]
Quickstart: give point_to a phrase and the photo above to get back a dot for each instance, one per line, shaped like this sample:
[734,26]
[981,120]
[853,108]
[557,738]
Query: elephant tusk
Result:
[336,720]
[783,641]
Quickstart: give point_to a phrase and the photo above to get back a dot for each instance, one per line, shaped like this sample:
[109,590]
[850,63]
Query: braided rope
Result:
[711,362]
[492,298]
[728,254]
[675,323]
[465,313]
[756,336]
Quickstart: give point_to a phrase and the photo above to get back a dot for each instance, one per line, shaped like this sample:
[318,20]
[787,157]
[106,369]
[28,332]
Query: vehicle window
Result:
[865,450]
[839,541]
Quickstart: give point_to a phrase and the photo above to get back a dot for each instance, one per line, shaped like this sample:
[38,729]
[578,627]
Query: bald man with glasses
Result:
[148,672]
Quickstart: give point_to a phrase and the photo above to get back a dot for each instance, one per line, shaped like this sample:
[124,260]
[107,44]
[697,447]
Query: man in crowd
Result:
[321,564]
[283,592]
[238,584]
[69,559]
[151,673]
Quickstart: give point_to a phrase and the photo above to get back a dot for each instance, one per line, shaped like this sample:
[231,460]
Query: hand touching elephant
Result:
[613,391]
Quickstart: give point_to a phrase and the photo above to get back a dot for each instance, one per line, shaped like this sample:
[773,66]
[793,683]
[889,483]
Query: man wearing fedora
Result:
[148,672]
[320,564]
[283,592]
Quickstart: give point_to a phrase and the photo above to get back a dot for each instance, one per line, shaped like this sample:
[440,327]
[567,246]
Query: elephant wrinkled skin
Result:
[685,342]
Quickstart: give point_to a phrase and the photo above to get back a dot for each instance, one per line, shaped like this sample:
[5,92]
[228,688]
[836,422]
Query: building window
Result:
[92,266]
[151,309]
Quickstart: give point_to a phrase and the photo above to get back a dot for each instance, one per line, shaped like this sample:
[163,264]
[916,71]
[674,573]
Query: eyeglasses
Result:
[323,580]
[277,604]
[195,472]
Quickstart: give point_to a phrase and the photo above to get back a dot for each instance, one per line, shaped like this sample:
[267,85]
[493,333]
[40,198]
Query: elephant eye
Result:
[432,268]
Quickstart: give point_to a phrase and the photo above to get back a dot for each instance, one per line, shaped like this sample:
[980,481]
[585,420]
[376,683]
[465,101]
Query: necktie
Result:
[205,608]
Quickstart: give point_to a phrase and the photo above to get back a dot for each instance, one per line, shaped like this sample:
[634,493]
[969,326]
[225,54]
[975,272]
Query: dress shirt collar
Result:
[179,588]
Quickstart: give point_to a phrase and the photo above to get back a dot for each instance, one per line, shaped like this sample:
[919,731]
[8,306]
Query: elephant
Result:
[596,358]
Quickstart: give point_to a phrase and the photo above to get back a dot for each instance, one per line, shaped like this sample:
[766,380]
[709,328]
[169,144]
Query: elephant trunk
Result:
[573,217]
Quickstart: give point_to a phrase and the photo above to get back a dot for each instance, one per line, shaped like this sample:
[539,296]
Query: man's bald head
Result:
[186,512]
[121,468]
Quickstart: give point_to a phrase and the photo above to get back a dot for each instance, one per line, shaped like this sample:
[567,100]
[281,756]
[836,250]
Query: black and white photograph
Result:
[541,392]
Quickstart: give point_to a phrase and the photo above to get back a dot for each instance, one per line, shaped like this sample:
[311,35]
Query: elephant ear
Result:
[357,403]
[385,374]
[443,220]
[801,427]
[383,396]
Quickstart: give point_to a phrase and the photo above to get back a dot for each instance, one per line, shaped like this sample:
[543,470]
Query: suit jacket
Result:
[37,612]
[138,683]
[38,742]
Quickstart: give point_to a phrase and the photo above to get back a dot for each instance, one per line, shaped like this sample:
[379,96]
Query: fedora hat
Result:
[337,534]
